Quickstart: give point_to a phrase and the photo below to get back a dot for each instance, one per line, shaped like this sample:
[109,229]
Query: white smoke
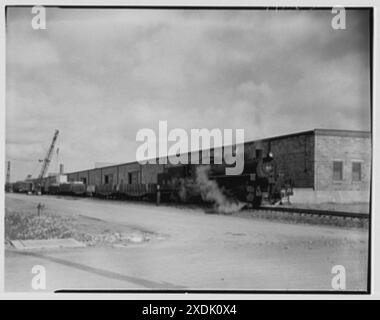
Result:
[210,191]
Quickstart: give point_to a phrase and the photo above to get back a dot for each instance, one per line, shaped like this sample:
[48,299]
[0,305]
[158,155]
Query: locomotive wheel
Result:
[250,197]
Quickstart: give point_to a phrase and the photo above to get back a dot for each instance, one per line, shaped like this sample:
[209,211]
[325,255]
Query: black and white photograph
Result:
[164,149]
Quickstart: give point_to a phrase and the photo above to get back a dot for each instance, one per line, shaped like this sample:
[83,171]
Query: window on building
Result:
[84,180]
[337,170]
[106,179]
[356,171]
[130,178]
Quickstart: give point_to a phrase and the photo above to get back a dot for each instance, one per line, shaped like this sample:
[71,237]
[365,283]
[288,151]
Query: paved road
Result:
[201,251]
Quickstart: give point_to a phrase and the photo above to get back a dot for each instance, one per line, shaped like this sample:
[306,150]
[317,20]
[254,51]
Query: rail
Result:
[331,213]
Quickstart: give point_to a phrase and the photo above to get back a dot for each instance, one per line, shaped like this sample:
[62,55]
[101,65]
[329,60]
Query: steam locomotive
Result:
[259,182]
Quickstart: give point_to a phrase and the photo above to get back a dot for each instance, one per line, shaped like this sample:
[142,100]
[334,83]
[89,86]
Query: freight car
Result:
[72,188]
[138,190]
[127,191]
[120,191]
[23,187]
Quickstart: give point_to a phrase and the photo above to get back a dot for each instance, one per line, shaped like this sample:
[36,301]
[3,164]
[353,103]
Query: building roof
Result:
[343,133]
[320,132]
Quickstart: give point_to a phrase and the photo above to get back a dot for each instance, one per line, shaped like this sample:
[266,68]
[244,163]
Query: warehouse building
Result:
[324,165]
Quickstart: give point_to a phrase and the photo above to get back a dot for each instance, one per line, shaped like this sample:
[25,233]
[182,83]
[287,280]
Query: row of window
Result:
[338,171]
[108,178]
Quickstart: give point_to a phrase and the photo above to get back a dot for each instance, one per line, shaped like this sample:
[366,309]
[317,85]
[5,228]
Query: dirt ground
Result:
[198,251]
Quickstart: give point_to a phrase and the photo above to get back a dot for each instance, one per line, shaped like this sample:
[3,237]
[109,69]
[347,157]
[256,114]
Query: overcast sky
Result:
[101,75]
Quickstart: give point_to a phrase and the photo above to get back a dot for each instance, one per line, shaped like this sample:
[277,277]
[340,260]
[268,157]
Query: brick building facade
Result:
[324,165]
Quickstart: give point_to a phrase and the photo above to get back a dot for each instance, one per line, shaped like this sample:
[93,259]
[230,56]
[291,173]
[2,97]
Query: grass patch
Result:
[27,225]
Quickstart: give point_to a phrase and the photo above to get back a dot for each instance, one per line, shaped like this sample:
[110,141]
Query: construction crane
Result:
[46,161]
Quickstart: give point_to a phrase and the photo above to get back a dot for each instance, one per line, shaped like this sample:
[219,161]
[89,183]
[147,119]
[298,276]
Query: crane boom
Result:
[46,161]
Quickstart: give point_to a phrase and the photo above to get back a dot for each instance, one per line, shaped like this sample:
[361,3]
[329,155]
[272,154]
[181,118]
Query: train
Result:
[260,182]
[22,186]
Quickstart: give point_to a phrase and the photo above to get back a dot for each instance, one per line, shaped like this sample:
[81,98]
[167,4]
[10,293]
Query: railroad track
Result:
[311,212]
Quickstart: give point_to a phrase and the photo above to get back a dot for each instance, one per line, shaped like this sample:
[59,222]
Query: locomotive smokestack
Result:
[61,169]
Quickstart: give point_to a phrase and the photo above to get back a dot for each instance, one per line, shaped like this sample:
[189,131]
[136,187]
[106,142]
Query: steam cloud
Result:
[210,191]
